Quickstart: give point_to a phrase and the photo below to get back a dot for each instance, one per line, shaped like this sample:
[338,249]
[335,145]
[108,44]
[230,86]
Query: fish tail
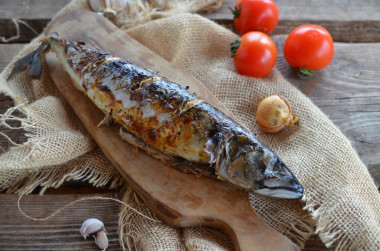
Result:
[33,60]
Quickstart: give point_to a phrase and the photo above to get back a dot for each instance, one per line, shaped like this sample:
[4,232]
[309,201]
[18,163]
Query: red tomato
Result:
[309,46]
[255,15]
[256,54]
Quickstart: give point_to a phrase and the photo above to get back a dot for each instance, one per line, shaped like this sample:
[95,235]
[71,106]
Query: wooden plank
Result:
[32,9]
[8,52]
[36,13]
[61,232]
[16,135]
[77,187]
[354,21]
[352,103]
[315,10]
[8,30]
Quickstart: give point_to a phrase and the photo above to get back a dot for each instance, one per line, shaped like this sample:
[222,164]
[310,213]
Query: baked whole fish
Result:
[167,121]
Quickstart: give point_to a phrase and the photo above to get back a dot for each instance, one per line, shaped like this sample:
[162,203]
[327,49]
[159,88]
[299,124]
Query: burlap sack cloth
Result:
[341,202]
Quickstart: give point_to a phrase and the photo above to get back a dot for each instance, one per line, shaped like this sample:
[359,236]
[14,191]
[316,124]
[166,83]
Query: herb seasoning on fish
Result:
[168,122]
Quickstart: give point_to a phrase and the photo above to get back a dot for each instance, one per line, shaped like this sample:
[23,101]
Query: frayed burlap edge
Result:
[24,181]
[140,12]
[142,233]
[55,176]
[329,233]
[300,231]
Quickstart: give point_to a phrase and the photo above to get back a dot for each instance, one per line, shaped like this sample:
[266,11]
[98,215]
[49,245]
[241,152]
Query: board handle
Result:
[244,238]
[247,230]
[232,213]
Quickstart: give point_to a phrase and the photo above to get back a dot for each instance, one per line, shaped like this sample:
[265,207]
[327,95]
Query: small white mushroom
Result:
[91,226]
[101,240]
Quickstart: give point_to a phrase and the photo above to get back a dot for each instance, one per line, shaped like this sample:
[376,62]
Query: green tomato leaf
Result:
[234,47]
[236,11]
[304,73]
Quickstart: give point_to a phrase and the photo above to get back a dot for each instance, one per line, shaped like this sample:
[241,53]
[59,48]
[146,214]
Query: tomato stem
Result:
[234,47]
[304,73]
[236,10]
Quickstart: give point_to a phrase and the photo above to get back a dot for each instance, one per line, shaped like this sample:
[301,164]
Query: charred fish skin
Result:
[173,121]
[161,113]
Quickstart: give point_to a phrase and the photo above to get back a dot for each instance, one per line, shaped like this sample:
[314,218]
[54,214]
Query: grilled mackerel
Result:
[168,122]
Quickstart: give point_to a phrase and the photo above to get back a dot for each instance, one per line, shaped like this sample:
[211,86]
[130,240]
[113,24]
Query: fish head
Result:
[259,170]
[273,178]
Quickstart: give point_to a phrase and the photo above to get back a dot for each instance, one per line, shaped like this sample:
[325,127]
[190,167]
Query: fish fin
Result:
[21,65]
[139,143]
[33,59]
[171,161]
[187,166]
[35,66]
[107,120]
[183,165]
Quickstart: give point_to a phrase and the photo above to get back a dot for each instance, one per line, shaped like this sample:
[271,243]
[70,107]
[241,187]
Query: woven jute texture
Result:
[341,202]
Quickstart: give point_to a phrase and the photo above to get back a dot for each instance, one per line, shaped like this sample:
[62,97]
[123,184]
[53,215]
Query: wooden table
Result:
[352,103]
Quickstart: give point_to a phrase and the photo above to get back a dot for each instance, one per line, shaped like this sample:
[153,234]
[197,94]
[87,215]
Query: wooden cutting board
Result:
[179,199]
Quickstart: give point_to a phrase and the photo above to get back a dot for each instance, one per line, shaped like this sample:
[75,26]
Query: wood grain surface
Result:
[353,107]
[347,21]
[7,52]
[61,232]
[35,13]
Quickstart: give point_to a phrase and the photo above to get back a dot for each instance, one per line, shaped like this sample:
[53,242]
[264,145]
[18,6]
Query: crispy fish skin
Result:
[173,121]
[161,113]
